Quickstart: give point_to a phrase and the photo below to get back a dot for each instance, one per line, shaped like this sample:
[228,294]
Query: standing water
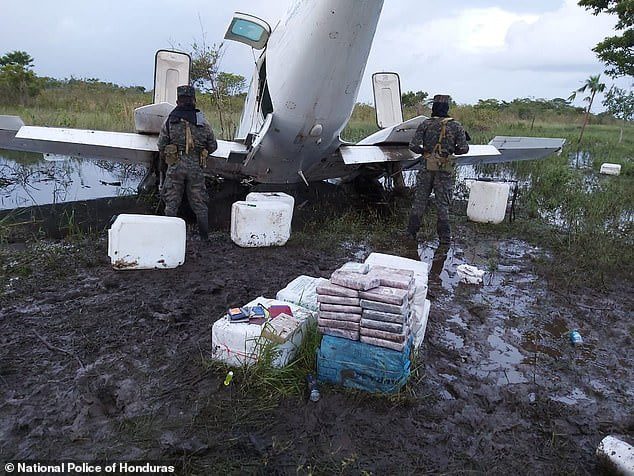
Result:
[28,179]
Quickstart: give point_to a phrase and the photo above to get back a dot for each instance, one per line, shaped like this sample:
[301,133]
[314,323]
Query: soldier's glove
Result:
[413,226]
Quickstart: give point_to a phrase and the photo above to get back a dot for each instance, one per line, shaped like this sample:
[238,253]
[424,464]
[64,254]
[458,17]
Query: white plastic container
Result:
[611,169]
[487,202]
[302,291]
[146,242]
[239,344]
[260,224]
[616,455]
[271,197]
[420,318]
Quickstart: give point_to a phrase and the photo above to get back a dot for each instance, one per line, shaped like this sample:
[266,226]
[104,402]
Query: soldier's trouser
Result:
[180,178]
[442,185]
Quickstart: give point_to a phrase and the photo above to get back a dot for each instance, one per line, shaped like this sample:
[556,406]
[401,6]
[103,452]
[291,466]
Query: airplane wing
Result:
[392,145]
[114,146]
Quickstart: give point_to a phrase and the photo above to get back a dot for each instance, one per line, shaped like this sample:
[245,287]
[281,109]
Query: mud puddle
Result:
[99,364]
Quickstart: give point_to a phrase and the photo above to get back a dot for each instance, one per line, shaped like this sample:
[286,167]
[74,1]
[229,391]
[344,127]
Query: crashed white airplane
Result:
[302,94]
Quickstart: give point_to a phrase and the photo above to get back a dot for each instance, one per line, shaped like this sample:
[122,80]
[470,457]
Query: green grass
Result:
[268,382]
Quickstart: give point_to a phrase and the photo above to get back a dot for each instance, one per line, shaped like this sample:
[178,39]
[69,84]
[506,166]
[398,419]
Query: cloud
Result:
[469,48]
[492,51]
[561,40]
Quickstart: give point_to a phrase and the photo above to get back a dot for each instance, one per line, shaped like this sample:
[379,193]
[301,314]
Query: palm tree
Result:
[593,85]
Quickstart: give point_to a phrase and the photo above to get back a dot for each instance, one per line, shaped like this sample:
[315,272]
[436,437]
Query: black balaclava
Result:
[440,107]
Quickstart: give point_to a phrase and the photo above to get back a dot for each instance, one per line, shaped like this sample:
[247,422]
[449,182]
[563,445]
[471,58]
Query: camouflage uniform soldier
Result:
[437,139]
[184,144]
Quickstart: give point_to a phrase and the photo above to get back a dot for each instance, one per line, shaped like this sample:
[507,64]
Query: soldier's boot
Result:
[444,233]
[203,226]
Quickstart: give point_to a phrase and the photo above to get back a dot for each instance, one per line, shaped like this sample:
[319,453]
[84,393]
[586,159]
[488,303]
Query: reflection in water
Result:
[503,360]
[30,179]
[580,160]
[442,264]
[573,398]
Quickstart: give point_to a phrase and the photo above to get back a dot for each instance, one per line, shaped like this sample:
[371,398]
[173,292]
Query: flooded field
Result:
[34,179]
[99,364]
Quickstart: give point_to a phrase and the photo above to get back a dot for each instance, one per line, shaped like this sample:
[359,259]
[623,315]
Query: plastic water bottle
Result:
[575,337]
[228,378]
[312,388]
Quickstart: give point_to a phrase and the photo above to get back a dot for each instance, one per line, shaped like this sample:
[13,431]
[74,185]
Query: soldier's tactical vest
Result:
[435,160]
[173,154]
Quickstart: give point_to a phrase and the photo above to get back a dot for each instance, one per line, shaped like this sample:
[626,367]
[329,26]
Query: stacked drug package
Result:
[366,313]
[340,301]
[386,309]
[418,302]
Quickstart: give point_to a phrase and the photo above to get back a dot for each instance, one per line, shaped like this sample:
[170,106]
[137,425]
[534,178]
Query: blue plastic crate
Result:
[362,366]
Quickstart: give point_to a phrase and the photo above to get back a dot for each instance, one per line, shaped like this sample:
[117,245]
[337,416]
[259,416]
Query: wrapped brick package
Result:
[387,295]
[337,308]
[330,289]
[360,282]
[342,301]
[384,307]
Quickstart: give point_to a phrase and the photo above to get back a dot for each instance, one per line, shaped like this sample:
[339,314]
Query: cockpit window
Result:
[249,30]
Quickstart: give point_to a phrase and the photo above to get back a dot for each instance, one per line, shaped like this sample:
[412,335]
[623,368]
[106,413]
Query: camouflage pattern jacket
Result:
[193,142]
[430,142]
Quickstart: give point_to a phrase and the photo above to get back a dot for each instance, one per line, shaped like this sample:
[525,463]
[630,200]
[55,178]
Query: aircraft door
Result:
[387,99]
[257,138]
[171,69]
[249,30]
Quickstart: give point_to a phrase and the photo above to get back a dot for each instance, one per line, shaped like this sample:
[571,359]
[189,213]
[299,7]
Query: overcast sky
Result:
[471,49]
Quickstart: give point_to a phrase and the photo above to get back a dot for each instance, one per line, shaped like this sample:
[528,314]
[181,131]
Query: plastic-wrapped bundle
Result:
[340,316]
[338,308]
[352,267]
[362,366]
[391,336]
[385,316]
[329,289]
[383,343]
[342,301]
[386,295]
[394,327]
[334,324]
[345,334]
[402,309]
[360,282]
[394,278]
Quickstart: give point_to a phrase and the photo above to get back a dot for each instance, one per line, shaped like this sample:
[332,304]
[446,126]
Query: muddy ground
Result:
[97,364]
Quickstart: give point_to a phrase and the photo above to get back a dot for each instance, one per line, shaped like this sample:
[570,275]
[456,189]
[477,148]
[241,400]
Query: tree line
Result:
[19,84]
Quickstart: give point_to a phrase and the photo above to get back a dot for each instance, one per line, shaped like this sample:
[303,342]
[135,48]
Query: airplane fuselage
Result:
[314,62]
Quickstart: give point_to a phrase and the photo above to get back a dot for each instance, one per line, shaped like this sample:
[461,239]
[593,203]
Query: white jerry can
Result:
[610,169]
[271,197]
[260,224]
[487,202]
[146,242]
